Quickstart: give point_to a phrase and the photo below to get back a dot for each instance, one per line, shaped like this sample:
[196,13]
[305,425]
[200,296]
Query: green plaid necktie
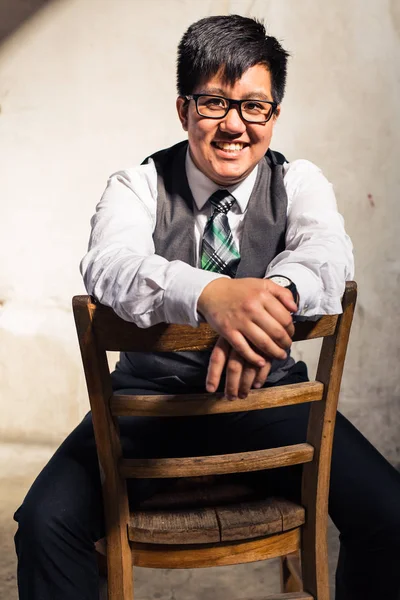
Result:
[218,249]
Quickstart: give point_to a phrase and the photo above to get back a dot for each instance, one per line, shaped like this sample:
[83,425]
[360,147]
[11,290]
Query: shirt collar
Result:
[202,187]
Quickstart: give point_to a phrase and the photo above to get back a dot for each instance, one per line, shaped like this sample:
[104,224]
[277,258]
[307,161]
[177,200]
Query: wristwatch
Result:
[286,283]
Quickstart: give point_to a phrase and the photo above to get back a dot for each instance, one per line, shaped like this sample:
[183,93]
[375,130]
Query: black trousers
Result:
[62,515]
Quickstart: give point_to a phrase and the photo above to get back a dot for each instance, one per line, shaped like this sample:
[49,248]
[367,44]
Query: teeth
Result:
[229,147]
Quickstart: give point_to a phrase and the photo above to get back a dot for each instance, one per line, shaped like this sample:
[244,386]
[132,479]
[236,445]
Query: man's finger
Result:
[234,371]
[216,365]
[261,376]
[271,329]
[242,346]
[248,376]
[284,295]
[275,309]
[262,341]
[290,329]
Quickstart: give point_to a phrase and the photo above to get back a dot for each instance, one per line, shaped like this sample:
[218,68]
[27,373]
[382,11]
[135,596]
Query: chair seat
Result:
[210,514]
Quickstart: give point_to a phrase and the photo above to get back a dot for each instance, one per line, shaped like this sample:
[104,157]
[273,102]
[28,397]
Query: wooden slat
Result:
[287,596]
[241,521]
[258,518]
[115,334]
[192,557]
[216,465]
[249,520]
[202,404]
[310,330]
[292,514]
[197,526]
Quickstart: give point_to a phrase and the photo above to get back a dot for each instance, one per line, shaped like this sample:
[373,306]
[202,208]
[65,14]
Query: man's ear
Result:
[182,106]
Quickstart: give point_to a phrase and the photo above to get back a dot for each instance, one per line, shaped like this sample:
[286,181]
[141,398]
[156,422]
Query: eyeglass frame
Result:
[232,102]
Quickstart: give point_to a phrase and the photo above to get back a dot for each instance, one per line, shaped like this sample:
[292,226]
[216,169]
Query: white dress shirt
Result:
[122,270]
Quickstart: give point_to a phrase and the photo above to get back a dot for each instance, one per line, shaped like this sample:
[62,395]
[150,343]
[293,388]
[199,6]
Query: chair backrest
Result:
[101,330]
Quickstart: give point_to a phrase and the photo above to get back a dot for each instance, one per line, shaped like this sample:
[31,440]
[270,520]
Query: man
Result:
[222,229]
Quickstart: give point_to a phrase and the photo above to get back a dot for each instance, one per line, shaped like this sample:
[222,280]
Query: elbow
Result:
[86,270]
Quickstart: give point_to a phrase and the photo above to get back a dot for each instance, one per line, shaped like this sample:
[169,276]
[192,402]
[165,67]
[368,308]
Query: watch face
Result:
[280,280]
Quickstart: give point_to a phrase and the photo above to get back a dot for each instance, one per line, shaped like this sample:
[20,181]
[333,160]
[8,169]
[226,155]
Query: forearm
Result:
[121,268]
[144,289]
[320,267]
[318,256]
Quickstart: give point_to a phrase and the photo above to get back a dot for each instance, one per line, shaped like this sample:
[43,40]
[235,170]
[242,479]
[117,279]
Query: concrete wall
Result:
[72,81]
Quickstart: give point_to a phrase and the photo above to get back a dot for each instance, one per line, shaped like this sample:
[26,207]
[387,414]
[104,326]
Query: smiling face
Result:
[228,149]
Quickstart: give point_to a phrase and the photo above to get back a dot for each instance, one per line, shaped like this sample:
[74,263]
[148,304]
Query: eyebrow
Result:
[255,95]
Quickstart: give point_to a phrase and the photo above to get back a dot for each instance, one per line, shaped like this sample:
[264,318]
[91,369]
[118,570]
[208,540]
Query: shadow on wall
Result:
[14,13]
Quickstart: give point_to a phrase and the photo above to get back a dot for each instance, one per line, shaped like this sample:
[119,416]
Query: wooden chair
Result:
[172,530]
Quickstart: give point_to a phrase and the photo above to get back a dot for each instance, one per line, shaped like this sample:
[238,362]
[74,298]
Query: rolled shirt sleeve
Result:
[318,256]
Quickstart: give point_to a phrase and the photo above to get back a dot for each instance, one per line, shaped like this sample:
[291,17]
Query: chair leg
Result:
[291,573]
[119,576]
[115,570]
[314,564]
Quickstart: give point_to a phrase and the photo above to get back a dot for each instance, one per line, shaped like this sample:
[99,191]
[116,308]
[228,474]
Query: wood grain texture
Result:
[197,526]
[316,475]
[100,329]
[216,465]
[286,596]
[109,452]
[193,557]
[241,521]
[203,404]
[115,334]
[253,519]
[292,514]
[310,330]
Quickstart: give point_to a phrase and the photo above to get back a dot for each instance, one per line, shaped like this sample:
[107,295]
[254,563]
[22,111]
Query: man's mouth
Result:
[230,146]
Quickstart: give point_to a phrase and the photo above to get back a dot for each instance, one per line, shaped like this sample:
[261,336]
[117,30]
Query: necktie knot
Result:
[222,201]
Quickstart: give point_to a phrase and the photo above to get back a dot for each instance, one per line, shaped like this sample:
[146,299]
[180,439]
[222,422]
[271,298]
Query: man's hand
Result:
[250,313]
[241,376]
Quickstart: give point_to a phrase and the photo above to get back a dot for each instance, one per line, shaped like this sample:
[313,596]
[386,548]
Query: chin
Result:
[229,177]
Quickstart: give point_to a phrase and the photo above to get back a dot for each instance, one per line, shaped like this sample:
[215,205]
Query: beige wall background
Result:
[75,77]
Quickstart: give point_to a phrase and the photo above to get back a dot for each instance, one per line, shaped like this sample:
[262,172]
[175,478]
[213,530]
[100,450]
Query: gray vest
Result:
[263,237]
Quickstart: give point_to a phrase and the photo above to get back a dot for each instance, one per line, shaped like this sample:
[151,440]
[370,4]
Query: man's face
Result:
[208,137]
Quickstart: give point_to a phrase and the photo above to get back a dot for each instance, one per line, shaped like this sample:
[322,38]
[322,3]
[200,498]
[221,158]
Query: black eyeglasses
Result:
[217,107]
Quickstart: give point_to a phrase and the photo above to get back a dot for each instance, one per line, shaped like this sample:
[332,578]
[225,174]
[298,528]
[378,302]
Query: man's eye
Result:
[215,103]
[254,107]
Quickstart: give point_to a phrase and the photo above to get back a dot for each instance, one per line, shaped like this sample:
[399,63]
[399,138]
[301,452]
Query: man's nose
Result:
[233,123]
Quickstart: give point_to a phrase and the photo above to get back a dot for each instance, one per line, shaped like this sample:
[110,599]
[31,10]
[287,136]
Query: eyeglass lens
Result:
[217,107]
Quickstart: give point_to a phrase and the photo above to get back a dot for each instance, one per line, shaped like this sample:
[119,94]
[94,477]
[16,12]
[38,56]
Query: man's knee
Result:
[38,523]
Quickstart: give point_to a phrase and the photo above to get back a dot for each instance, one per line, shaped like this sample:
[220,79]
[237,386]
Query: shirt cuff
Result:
[180,299]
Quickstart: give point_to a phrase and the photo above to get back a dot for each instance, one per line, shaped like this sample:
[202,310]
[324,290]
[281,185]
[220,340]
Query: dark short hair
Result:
[233,43]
